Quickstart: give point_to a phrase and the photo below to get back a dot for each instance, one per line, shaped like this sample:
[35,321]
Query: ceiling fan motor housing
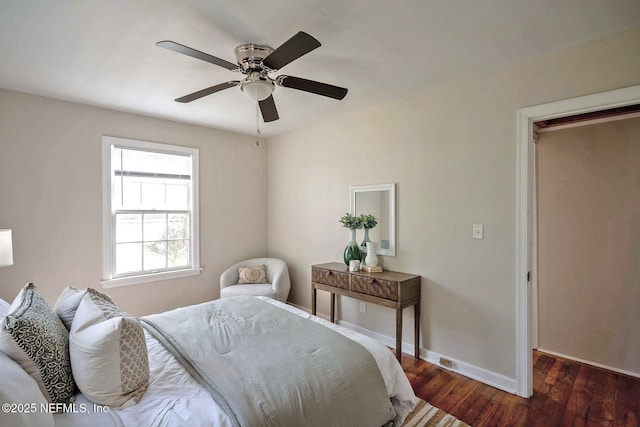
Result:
[250,56]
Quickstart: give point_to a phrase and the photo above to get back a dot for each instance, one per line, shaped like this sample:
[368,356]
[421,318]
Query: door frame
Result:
[525,237]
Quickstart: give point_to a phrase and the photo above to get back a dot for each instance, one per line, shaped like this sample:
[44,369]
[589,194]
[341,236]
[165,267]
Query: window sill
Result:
[151,277]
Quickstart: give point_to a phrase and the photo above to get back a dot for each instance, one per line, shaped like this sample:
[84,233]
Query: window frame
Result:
[108,214]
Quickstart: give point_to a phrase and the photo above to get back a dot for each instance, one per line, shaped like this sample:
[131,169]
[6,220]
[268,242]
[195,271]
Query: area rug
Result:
[426,415]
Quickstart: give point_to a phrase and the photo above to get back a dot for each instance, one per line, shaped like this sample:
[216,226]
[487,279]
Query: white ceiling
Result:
[103,53]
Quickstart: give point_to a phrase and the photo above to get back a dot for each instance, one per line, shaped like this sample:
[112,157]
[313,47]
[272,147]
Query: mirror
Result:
[380,201]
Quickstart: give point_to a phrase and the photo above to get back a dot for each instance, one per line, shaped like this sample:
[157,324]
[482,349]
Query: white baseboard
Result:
[474,372]
[477,373]
[589,362]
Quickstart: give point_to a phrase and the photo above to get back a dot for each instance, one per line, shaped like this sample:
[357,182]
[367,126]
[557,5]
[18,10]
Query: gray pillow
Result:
[34,337]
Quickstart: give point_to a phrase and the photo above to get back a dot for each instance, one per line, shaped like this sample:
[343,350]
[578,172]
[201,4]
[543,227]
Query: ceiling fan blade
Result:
[185,50]
[268,109]
[312,86]
[298,45]
[208,91]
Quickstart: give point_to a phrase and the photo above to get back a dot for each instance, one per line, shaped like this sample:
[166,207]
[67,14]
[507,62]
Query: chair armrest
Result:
[229,277]
[282,283]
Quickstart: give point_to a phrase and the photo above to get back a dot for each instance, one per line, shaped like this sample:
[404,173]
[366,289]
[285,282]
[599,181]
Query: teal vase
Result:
[352,251]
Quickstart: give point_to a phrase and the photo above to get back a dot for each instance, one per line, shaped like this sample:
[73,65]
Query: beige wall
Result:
[451,150]
[50,195]
[589,242]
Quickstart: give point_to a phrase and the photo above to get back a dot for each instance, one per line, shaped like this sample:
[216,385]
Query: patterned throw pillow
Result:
[108,353]
[69,300]
[256,274]
[34,337]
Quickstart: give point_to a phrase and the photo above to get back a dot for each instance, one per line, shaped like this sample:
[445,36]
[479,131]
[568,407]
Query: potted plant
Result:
[352,251]
[368,222]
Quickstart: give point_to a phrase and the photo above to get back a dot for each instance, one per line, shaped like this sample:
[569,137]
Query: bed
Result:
[244,361]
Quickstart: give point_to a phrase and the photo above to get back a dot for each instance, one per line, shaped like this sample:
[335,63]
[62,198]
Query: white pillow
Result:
[34,337]
[68,301]
[108,353]
[21,392]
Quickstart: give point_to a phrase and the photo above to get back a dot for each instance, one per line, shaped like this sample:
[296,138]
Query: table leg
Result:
[398,333]
[333,305]
[416,332]
[313,301]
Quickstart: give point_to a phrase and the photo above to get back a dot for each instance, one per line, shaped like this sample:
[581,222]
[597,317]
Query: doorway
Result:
[524,210]
[587,247]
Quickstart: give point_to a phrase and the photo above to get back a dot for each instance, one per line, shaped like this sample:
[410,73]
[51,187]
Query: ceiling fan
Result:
[256,62]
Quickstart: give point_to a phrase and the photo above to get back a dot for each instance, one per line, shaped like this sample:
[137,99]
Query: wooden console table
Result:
[388,288]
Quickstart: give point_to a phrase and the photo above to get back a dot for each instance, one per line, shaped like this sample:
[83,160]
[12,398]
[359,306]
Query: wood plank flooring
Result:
[566,393]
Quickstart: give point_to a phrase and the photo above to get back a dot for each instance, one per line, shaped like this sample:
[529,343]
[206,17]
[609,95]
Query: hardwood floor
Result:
[566,393]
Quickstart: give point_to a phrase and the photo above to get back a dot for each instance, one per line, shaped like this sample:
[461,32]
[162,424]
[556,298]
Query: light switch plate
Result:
[478,231]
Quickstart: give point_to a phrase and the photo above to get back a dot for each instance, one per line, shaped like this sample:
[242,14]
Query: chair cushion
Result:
[264,290]
[257,274]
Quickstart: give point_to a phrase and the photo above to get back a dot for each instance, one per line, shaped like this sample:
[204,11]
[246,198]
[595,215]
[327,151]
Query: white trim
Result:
[151,277]
[195,206]
[524,189]
[477,373]
[107,217]
[591,363]
[107,255]
[534,244]
[523,258]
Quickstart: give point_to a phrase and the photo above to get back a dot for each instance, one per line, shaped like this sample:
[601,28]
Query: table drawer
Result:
[331,278]
[375,287]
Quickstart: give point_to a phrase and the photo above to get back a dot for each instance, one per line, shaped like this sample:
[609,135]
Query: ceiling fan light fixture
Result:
[258,90]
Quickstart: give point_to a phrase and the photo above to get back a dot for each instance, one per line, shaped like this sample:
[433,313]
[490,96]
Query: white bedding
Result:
[174,398]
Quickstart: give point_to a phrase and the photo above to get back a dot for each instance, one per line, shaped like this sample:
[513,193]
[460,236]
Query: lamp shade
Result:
[6,248]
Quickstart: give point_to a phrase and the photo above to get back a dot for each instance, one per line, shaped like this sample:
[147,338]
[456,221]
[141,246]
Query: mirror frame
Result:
[391,188]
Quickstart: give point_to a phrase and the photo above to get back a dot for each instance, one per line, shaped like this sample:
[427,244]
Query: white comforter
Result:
[175,399]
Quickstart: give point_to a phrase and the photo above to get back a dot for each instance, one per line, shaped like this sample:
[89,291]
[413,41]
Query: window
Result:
[150,211]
